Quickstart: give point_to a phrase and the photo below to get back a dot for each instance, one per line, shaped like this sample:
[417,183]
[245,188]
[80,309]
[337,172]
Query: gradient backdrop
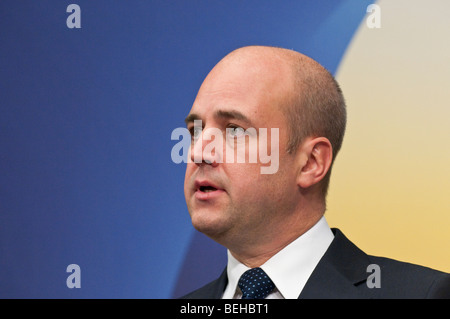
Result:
[86,117]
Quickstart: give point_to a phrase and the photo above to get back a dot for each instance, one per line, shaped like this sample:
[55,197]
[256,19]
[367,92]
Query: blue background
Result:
[86,117]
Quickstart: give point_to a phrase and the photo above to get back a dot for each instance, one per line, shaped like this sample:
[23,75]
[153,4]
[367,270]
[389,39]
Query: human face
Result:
[233,202]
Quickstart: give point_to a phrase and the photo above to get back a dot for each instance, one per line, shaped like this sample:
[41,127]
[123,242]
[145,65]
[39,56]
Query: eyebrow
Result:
[220,114]
[191,118]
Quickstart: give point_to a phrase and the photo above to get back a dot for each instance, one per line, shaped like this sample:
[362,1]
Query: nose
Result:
[207,147]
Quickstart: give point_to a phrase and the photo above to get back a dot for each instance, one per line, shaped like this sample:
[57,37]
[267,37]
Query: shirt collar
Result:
[291,267]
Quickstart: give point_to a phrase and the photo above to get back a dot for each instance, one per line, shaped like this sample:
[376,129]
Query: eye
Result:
[195,131]
[235,131]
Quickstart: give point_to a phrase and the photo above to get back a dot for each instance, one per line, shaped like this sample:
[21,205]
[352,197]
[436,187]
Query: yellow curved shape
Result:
[390,187]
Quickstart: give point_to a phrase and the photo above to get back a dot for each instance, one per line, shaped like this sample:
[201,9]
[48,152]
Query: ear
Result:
[316,155]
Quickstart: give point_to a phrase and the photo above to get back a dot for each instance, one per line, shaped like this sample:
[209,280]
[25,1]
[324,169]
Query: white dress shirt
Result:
[290,268]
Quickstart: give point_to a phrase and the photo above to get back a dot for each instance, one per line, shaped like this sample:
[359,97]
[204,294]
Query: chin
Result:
[207,224]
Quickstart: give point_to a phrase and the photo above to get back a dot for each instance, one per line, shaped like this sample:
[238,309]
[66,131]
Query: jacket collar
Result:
[342,268]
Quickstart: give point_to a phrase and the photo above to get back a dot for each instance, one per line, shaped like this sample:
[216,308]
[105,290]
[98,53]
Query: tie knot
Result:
[255,284]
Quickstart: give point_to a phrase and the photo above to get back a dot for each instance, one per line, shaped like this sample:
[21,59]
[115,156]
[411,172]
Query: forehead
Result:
[257,92]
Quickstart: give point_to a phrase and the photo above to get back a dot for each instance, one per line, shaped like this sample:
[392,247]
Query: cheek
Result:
[253,188]
[187,176]
[246,182]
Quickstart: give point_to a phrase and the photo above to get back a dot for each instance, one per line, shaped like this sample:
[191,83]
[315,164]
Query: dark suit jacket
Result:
[342,273]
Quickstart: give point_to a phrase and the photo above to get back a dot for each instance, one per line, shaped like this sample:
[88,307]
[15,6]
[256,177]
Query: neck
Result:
[256,255]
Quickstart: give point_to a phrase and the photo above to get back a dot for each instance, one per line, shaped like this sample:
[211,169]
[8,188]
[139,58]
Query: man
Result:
[279,243]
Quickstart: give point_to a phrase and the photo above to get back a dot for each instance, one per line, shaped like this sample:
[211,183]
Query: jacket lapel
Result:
[218,286]
[339,273]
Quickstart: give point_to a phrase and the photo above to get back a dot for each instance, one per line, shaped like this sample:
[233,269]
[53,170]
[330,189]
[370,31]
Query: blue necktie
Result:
[255,284]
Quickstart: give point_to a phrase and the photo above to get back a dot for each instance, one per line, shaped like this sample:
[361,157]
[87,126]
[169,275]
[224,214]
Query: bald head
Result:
[313,99]
[309,96]
[256,69]
[260,64]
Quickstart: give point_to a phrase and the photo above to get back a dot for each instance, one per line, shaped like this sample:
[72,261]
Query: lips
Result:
[205,190]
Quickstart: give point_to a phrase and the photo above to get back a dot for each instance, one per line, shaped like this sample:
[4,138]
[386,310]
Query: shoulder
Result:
[406,280]
[395,279]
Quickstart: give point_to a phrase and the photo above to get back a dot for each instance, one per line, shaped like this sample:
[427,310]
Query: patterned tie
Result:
[255,284]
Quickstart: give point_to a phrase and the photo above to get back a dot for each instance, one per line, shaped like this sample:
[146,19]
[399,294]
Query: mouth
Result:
[205,190]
